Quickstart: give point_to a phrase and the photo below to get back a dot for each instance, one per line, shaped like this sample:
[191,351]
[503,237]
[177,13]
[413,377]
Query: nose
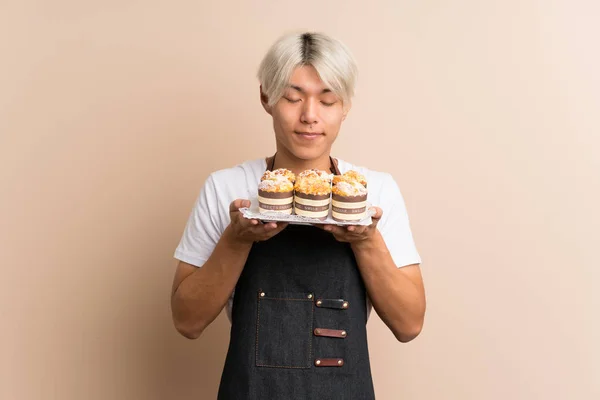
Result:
[309,112]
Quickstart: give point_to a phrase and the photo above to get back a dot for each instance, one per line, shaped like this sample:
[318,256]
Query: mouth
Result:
[309,135]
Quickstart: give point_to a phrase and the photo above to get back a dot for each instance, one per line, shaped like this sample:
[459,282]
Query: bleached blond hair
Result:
[331,59]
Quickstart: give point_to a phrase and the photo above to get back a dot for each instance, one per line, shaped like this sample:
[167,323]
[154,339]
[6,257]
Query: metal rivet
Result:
[317,331]
[345,305]
[262,294]
[343,333]
[319,302]
[318,362]
[310,295]
[340,362]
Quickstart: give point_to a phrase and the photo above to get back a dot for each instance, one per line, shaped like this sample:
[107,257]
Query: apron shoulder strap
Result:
[270,162]
[334,166]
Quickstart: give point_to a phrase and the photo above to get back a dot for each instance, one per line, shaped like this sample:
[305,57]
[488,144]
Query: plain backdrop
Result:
[112,114]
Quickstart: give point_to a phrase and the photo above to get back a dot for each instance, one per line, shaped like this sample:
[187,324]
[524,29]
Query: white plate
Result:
[252,212]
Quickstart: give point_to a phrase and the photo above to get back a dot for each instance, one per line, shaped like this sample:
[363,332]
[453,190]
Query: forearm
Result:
[201,296]
[399,302]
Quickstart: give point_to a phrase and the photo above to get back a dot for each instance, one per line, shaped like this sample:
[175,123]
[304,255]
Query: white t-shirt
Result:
[210,215]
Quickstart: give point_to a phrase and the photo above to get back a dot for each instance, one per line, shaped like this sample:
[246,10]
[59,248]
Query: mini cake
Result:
[349,197]
[351,176]
[276,191]
[312,194]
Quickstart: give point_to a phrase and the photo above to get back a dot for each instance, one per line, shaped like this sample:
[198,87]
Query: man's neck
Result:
[296,165]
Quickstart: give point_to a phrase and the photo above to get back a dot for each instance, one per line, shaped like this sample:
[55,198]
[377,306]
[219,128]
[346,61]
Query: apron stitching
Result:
[257,324]
[310,333]
[310,338]
[280,366]
[278,298]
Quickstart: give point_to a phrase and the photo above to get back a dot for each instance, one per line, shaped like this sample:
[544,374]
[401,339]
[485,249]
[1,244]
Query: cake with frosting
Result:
[349,197]
[312,194]
[352,176]
[276,191]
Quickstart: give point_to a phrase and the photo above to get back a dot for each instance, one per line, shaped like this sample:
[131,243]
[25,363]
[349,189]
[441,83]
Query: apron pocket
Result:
[284,325]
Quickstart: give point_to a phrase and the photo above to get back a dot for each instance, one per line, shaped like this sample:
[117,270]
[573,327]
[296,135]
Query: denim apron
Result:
[298,322]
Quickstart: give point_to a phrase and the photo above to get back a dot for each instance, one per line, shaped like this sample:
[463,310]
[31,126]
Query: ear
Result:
[264,100]
[346,111]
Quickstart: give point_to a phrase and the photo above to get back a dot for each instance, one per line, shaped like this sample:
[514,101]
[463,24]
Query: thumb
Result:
[378,214]
[239,203]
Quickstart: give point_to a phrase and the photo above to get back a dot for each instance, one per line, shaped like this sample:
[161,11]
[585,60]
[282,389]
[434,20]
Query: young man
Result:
[298,296]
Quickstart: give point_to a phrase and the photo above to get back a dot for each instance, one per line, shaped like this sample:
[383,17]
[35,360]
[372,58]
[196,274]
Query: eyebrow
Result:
[298,88]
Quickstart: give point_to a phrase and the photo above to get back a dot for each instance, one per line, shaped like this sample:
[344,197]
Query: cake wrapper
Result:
[252,212]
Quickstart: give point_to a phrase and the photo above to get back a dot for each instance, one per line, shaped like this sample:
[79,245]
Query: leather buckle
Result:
[338,304]
[329,362]
[332,333]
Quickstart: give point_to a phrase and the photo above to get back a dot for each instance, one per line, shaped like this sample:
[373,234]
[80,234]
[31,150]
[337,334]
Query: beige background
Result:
[112,113]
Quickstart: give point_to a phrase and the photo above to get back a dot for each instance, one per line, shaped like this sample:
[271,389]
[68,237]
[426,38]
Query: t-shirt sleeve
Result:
[202,231]
[395,227]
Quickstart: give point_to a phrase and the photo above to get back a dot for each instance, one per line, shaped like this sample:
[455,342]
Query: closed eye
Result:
[292,100]
[327,104]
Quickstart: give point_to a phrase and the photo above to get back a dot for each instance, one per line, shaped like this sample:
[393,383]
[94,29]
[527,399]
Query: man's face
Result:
[308,117]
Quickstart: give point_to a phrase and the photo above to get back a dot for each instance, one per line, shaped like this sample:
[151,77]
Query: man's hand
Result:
[245,230]
[397,294]
[355,234]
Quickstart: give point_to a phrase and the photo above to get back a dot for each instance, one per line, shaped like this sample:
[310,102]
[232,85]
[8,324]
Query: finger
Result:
[327,228]
[265,229]
[280,226]
[265,235]
[270,226]
[245,222]
[357,230]
[378,213]
[238,203]
[336,230]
